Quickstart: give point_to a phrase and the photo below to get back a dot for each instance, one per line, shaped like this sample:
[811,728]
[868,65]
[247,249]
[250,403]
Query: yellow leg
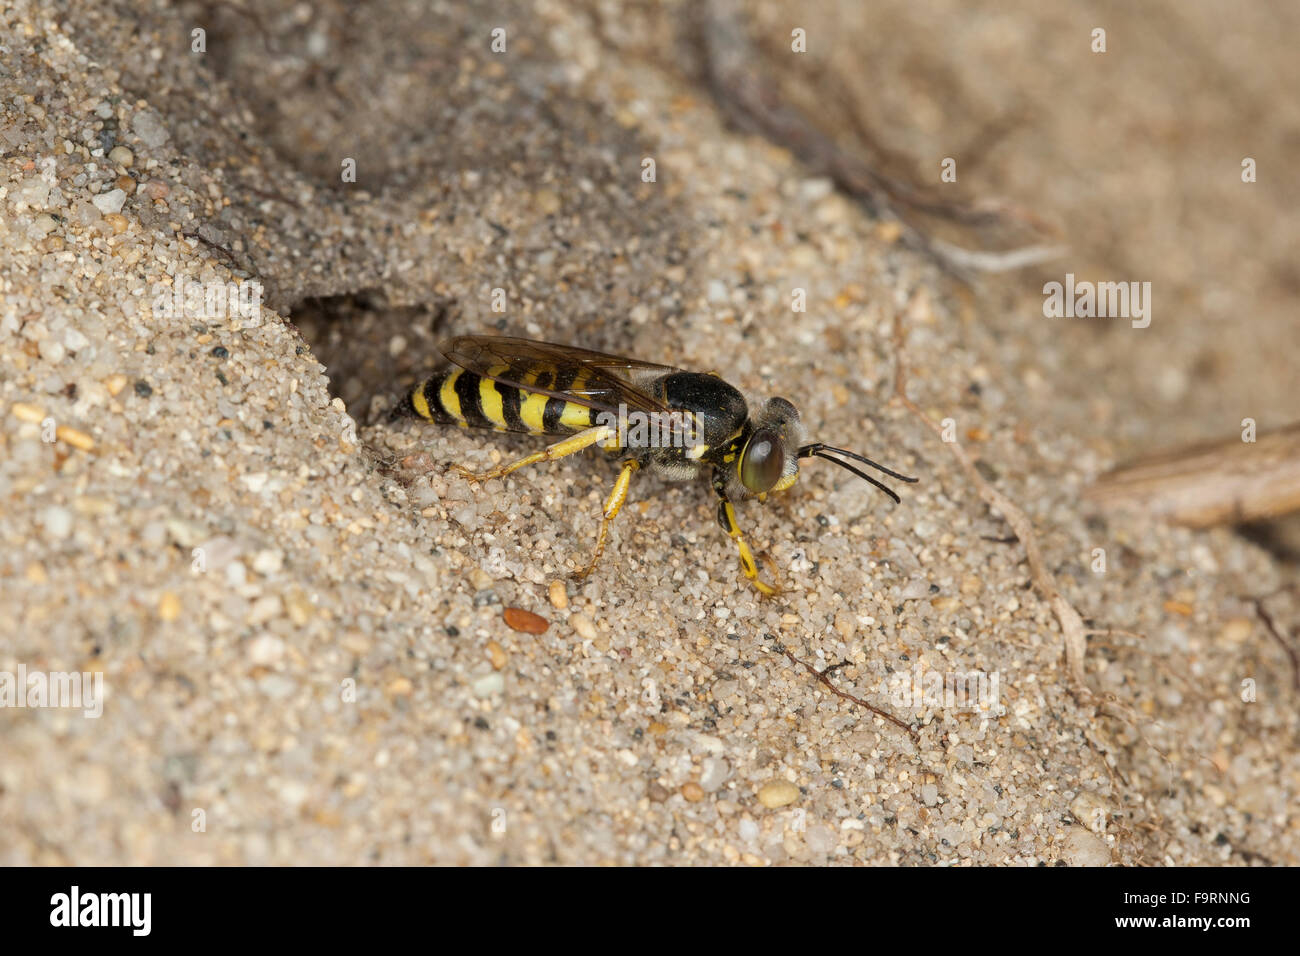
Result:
[613,505]
[568,446]
[727,518]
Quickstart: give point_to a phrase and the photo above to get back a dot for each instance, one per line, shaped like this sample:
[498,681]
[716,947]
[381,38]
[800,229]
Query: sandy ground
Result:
[298,615]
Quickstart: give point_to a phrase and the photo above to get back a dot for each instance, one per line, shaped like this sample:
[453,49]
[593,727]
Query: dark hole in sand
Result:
[371,350]
[1280,537]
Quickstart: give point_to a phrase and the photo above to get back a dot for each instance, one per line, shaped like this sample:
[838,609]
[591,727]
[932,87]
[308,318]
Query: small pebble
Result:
[57,521]
[169,606]
[52,351]
[488,684]
[1082,848]
[85,213]
[914,590]
[518,619]
[27,413]
[266,650]
[583,625]
[34,192]
[110,201]
[714,772]
[299,606]
[693,792]
[1235,631]
[149,126]
[121,156]
[265,608]
[293,793]
[75,438]
[547,201]
[268,562]
[777,793]
[558,595]
[1090,810]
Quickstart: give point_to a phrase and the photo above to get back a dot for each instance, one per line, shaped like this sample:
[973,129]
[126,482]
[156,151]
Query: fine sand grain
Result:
[299,615]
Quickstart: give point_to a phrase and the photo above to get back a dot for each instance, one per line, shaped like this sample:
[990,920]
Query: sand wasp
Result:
[675,423]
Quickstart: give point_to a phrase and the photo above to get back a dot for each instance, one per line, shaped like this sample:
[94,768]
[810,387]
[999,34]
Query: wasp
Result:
[674,423]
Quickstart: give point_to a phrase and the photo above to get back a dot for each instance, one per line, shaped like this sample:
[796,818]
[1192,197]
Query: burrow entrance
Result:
[372,350]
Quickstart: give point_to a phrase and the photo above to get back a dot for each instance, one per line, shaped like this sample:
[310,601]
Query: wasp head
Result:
[769,459]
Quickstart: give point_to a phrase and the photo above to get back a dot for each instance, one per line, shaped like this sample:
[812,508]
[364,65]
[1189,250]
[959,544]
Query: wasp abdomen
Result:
[459,397]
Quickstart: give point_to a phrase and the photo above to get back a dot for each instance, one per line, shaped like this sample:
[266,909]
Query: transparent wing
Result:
[597,380]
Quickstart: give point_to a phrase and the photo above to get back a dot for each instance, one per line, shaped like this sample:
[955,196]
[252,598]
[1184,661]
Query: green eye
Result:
[762,463]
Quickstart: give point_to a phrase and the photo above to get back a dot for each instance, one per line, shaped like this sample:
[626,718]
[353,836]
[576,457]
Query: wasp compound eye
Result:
[762,463]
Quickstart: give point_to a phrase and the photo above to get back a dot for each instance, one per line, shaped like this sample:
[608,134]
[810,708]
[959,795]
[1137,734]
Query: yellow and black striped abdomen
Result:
[459,397]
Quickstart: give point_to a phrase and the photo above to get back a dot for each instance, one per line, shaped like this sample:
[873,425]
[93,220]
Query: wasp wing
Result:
[596,380]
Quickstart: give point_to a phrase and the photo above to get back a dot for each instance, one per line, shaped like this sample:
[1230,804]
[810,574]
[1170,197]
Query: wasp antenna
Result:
[861,474]
[817,448]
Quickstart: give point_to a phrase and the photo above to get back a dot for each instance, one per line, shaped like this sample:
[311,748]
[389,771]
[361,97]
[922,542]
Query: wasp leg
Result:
[727,519]
[613,505]
[568,446]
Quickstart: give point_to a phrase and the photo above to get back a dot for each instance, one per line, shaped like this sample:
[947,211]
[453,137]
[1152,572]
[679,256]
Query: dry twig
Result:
[1271,626]
[1225,482]
[844,695]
